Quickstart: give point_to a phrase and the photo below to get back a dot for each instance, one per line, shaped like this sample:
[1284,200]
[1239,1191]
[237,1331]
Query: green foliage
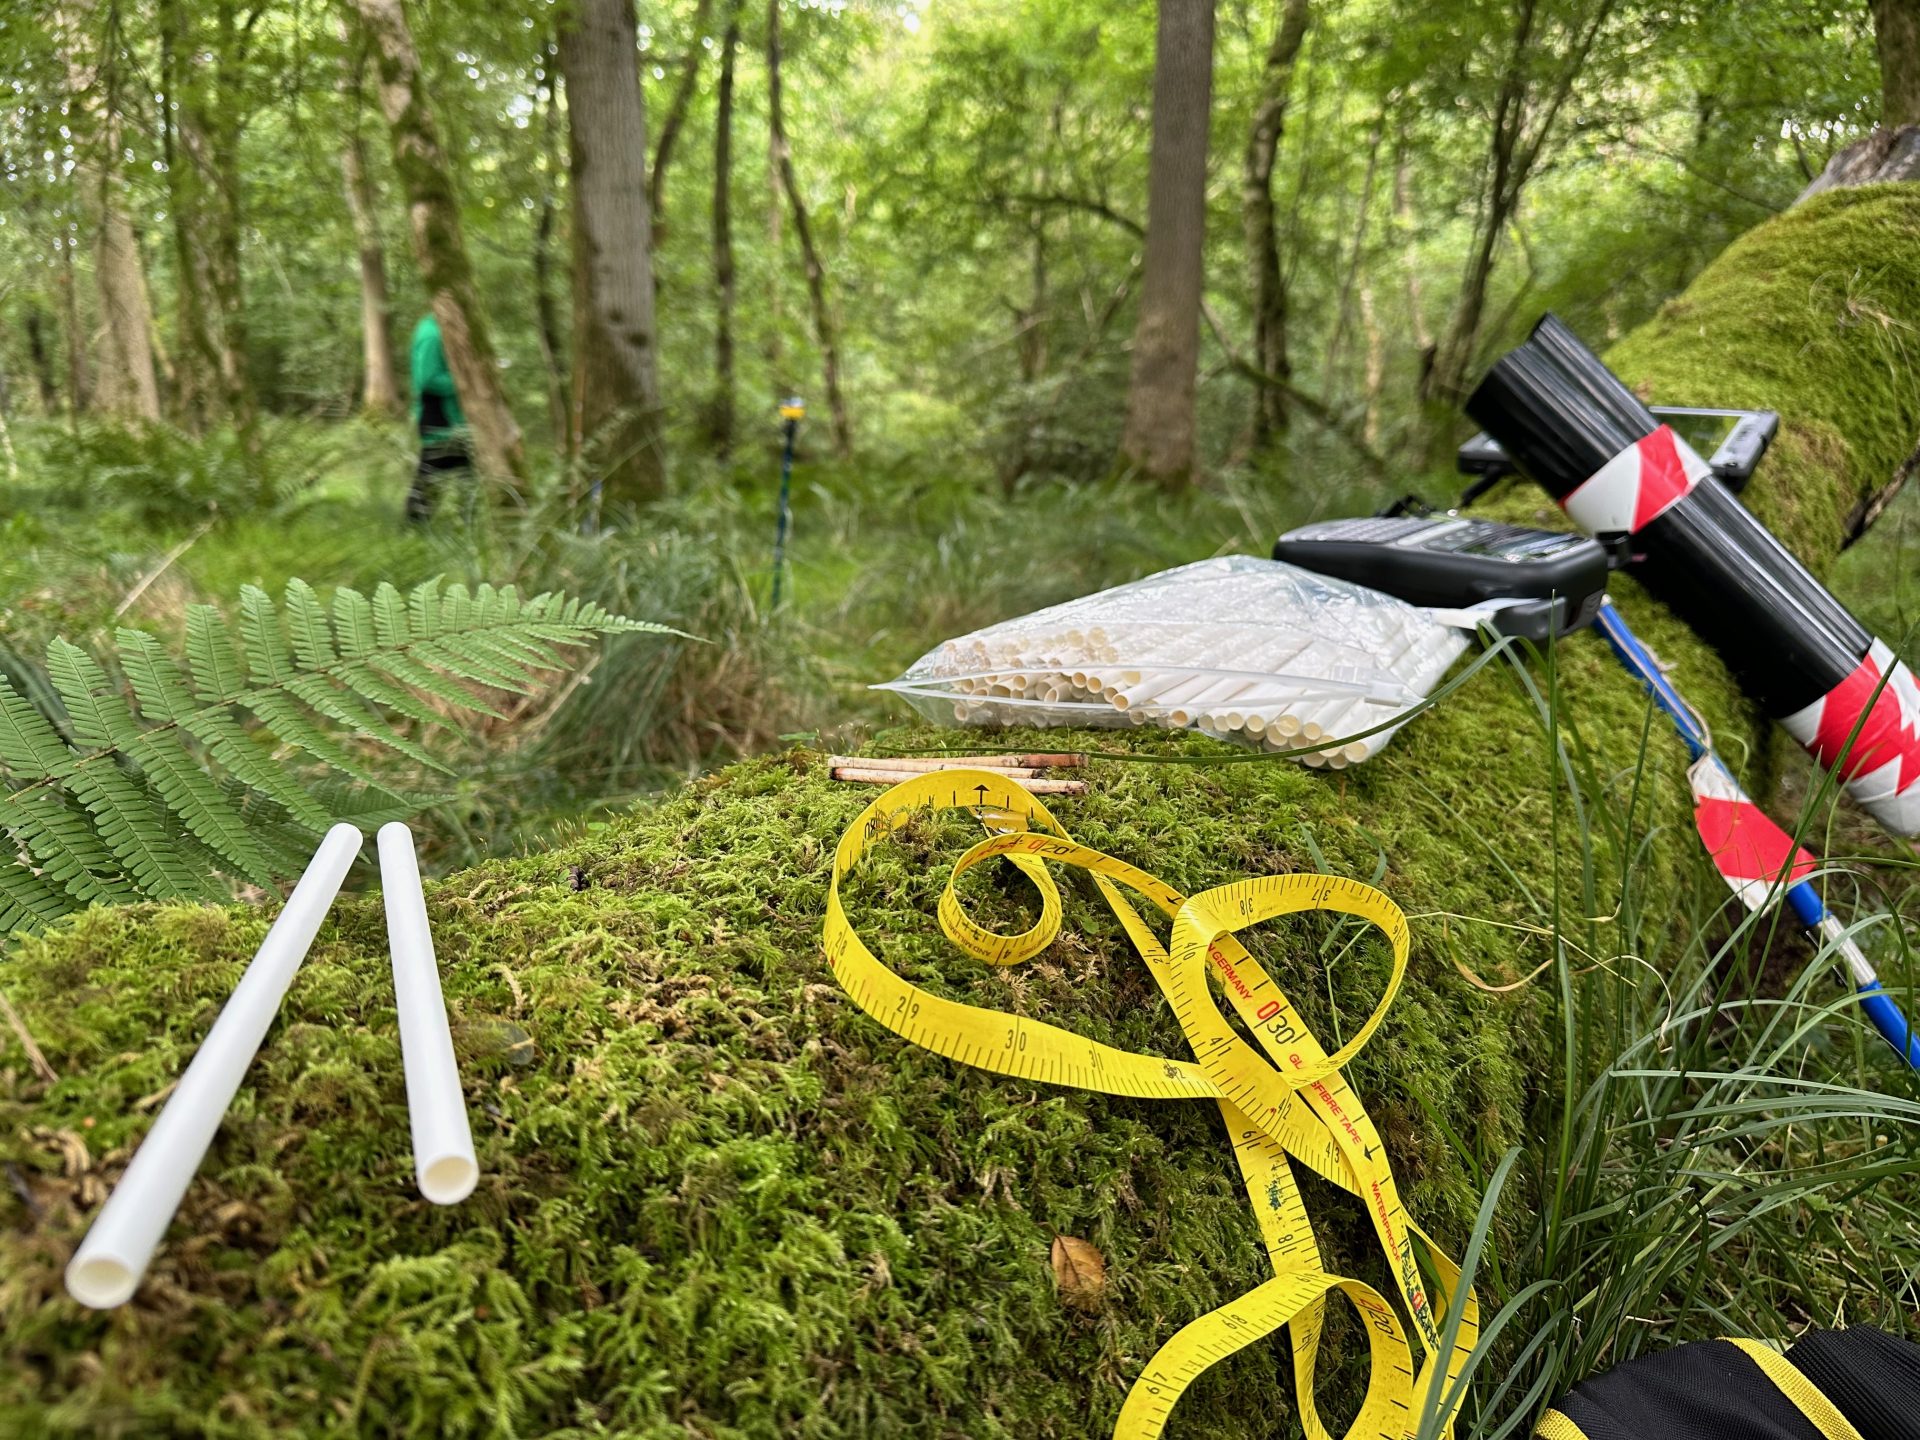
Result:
[165,475]
[155,788]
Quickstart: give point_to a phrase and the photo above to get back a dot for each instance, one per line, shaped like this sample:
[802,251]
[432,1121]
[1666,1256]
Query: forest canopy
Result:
[931,218]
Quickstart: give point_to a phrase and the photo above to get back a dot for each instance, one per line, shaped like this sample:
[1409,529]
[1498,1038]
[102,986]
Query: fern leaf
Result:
[163,697]
[28,901]
[307,627]
[390,618]
[372,686]
[353,622]
[217,676]
[83,687]
[102,718]
[58,837]
[135,829]
[30,748]
[109,796]
[457,657]
[404,668]
[525,657]
[39,816]
[426,608]
[347,708]
[192,795]
[276,710]
[263,640]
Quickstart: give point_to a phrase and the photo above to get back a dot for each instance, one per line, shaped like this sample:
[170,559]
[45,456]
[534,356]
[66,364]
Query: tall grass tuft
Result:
[1713,1159]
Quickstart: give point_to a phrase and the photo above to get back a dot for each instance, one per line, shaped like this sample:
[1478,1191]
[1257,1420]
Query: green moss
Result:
[1812,315]
[717,1199]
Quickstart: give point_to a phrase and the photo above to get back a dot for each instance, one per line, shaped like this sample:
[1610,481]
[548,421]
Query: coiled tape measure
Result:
[1283,1102]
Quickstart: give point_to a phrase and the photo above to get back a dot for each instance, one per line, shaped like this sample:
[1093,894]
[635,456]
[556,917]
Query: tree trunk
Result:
[616,389]
[553,350]
[380,394]
[720,406]
[1267,285]
[380,390]
[41,354]
[1158,441]
[1376,367]
[206,92]
[221,124]
[1896,34]
[438,244]
[823,327]
[127,385]
[675,120]
[1406,223]
[197,365]
[79,374]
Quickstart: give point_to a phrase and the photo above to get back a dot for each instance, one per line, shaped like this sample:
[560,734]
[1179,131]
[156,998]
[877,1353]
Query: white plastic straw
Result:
[106,1269]
[443,1160]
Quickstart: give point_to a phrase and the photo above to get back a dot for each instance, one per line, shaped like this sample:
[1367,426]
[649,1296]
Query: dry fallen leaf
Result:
[1079,1273]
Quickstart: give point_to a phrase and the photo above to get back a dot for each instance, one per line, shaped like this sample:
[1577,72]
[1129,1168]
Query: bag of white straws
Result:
[1241,648]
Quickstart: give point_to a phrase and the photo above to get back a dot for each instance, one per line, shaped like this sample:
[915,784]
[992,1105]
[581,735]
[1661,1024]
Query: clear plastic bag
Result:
[1246,649]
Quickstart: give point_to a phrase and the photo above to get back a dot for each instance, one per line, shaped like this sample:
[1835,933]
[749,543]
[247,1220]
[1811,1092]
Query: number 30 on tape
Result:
[1283,1103]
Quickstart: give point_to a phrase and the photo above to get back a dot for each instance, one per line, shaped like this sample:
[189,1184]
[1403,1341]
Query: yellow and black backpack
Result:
[1856,1384]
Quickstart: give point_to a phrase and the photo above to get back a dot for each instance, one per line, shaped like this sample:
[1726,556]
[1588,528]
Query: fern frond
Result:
[153,788]
[353,622]
[210,655]
[307,627]
[28,900]
[163,697]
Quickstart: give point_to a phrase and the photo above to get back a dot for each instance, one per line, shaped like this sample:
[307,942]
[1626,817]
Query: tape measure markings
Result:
[1282,1102]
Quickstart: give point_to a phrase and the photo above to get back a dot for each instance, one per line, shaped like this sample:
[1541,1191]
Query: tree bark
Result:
[1157,443]
[1406,223]
[553,349]
[1376,367]
[616,389]
[675,121]
[1267,285]
[721,404]
[41,354]
[380,392]
[221,123]
[380,387]
[197,365]
[1887,156]
[205,87]
[79,373]
[1896,34]
[128,386]
[823,327]
[439,246]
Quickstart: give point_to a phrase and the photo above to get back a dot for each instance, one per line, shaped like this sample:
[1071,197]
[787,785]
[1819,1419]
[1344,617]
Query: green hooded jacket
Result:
[436,404]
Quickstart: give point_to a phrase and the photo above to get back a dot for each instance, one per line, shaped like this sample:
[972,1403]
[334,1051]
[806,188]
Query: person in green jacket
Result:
[437,417]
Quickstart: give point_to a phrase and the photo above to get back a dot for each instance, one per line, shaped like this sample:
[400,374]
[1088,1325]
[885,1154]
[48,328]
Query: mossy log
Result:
[719,1200]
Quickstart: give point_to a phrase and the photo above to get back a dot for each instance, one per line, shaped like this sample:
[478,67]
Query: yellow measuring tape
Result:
[1291,1101]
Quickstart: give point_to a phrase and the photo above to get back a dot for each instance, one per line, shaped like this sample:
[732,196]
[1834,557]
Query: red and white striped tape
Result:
[1638,485]
[1881,763]
[1754,854]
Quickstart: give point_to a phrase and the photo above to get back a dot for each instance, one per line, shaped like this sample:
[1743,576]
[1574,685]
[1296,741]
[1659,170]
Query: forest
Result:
[550,424]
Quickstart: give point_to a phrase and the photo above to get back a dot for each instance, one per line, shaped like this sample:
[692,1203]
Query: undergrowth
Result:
[718,1200]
